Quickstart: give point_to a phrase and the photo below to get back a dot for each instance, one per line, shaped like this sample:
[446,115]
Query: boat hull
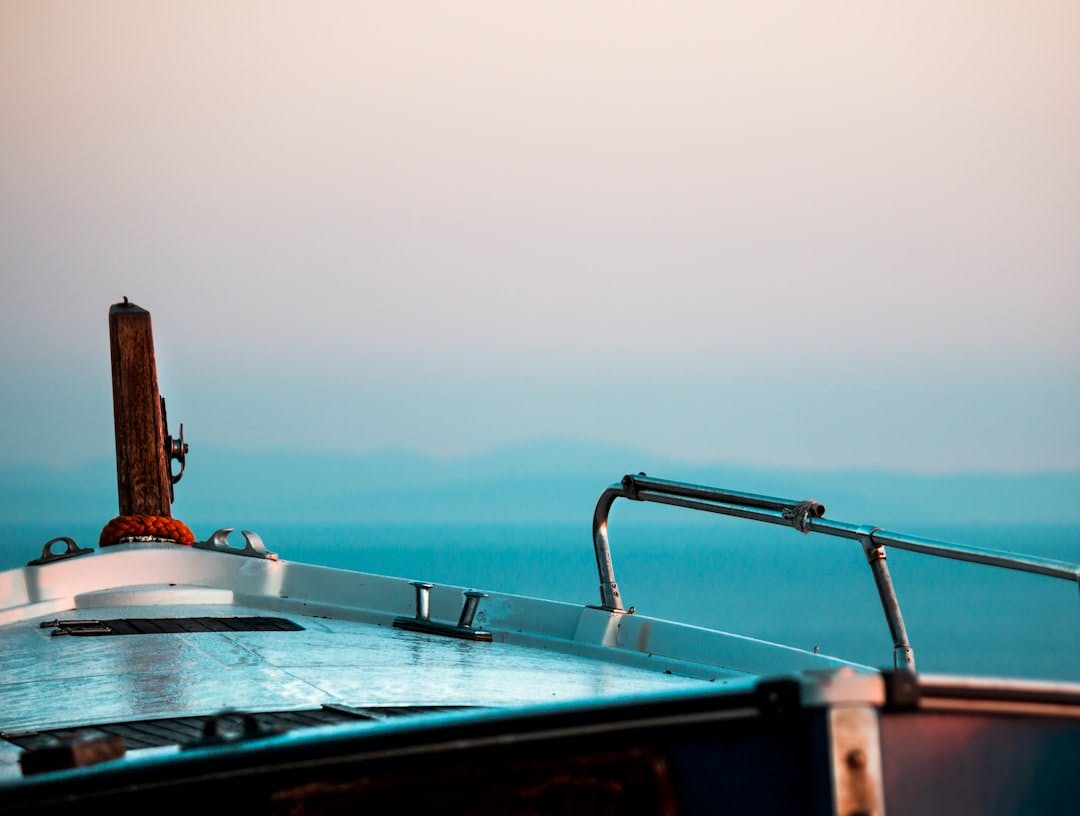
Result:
[837,743]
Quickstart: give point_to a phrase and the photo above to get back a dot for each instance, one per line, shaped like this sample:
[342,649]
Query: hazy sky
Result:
[813,234]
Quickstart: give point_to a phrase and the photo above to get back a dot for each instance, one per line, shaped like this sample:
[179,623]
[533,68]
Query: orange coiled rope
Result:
[162,527]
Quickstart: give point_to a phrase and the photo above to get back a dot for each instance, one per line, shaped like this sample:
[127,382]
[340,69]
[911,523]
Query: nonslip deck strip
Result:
[169,626]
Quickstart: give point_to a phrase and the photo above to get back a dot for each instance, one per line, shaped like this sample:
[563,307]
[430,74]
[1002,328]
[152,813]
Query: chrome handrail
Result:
[807,517]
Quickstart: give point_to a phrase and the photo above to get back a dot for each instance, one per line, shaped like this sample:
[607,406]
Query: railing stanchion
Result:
[807,517]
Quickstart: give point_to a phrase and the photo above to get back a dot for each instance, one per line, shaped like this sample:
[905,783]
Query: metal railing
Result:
[807,517]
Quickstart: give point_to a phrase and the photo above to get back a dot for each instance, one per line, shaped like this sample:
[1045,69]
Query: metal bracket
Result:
[175,449]
[630,488]
[76,627]
[253,544]
[214,734]
[802,514]
[423,623]
[48,556]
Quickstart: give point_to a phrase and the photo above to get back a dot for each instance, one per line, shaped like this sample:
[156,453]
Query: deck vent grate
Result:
[168,626]
[187,730]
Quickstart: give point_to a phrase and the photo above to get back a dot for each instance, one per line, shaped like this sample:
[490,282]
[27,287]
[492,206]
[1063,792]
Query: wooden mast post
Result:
[143,480]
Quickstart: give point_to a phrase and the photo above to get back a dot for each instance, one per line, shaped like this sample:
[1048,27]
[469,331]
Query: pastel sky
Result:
[808,234]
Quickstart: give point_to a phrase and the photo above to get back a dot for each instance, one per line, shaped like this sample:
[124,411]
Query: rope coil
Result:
[157,527]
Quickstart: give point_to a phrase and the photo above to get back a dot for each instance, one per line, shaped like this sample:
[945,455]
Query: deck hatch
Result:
[169,626]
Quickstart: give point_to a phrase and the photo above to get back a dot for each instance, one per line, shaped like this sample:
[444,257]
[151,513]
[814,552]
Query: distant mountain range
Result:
[555,480]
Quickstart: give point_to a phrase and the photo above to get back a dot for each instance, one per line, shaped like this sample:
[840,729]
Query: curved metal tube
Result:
[609,590]
[695,497]
[807,517]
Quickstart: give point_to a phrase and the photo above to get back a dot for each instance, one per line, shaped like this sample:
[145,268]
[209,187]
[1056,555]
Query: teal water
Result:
[766,582]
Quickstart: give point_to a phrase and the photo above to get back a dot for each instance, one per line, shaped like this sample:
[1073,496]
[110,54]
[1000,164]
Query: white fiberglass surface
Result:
[61,681]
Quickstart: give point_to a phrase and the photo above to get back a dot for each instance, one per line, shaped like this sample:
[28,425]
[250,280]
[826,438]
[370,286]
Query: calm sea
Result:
[769,583]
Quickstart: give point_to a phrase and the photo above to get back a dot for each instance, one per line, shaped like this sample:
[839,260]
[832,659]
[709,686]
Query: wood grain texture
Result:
[142,467]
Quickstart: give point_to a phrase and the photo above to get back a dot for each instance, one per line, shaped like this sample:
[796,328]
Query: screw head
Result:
[856,759]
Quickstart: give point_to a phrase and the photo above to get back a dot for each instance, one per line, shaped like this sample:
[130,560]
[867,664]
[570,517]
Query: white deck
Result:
[347,654]
[51,682]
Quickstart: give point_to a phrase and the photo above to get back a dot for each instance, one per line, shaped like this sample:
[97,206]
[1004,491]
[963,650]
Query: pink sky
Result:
[826,234]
